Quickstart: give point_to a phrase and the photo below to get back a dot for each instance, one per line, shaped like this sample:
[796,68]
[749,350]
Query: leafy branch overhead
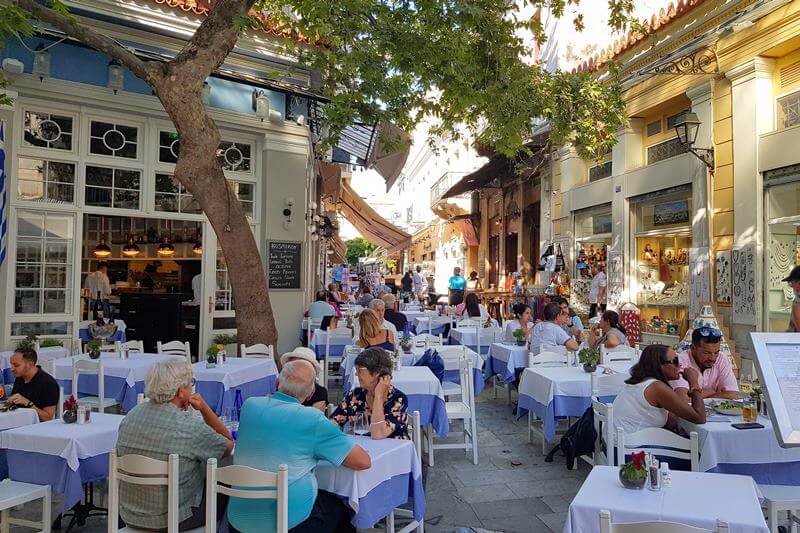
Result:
[461,62]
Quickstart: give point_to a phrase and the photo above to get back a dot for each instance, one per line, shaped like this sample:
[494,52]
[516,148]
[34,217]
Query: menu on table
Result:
[778,365]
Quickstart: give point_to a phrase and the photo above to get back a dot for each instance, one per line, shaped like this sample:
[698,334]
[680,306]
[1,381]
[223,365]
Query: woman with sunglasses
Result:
[648,401]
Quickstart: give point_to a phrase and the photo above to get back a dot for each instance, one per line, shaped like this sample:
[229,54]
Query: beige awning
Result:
[370,224]
[389,163]
[339,249]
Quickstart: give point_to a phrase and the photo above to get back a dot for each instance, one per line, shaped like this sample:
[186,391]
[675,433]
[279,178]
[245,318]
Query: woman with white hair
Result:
[162,426]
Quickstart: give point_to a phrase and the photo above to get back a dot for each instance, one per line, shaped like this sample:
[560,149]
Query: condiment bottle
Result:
[666,475]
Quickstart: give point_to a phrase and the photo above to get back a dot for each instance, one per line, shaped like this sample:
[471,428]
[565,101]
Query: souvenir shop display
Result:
[629,317]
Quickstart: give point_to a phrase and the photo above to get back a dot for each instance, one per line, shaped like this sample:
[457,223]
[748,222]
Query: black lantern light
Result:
[686,127]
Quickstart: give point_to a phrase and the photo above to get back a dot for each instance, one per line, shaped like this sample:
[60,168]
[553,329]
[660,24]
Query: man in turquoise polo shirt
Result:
[278,430]
[456,284]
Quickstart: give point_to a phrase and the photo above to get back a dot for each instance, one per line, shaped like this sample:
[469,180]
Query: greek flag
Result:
[3,204]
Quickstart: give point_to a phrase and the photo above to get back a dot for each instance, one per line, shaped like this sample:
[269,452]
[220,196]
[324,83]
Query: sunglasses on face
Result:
[674,362]
[714,332]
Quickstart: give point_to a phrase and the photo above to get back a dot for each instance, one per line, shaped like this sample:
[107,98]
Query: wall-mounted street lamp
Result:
[687,127]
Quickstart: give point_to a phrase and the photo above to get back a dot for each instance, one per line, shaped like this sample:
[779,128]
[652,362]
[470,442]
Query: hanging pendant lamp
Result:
[102,249]
[130,249]
[166,248]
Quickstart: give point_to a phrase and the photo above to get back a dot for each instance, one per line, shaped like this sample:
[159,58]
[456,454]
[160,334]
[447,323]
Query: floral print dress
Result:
[395,411]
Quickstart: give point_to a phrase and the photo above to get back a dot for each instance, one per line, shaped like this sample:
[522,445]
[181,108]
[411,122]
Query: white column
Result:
[627,154]
[751,93]
[6,284]
[573,168]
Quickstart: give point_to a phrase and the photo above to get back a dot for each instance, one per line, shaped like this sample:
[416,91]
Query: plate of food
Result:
[729,407]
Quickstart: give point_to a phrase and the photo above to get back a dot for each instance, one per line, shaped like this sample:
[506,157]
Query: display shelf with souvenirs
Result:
[559,284]
[590,254]
[662,271]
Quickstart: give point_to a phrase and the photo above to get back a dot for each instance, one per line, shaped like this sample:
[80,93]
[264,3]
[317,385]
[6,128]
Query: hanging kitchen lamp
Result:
[130,249]
[102,249]
[197,249]
[166,248]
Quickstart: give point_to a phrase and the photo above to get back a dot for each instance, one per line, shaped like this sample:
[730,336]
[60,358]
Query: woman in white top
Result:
[647,400]
[523,315]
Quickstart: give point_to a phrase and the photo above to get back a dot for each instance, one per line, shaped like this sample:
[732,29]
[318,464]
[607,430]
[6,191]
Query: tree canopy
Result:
[358,247]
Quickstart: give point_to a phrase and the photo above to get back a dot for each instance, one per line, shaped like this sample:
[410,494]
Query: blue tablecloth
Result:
[384,498]
[432,410]
[118,335]
[561,406]
[454,376]
[43,469]
[116,388]
[219,399]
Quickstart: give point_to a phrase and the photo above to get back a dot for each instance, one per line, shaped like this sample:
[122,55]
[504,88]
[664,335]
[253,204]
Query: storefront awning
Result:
[338,249]
[370,224]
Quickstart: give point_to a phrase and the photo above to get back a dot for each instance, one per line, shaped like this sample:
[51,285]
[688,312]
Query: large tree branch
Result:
[86,35]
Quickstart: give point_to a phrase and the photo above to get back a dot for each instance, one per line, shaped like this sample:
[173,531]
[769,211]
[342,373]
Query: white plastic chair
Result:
[16,493]
[463,410]
[654,527]
[248,483]
[141,470]
[619,353]
[659,441]
[257,350]
[338,336]
[132,346]
[175,348]
[92,368]
[546,359]
[778,498]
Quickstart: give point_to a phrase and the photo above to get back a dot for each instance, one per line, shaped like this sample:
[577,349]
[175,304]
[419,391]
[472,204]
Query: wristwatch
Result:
[30,404]
[695,389]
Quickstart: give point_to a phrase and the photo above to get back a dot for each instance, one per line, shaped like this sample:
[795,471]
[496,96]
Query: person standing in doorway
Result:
[457,284]
[597,291]
[99,287]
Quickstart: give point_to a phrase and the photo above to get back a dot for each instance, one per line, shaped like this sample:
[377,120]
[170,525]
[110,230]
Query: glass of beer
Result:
[749,411]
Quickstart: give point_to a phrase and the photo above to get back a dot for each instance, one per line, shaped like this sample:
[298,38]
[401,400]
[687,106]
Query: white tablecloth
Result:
[413,380]
[339,338]
[421,323]
[720,443]
[390,457]
[510,354]
[412,314]
[543,383]
[44,354]
[467,335]
[18,418]
[236,371]
[450,356]
[695,498]
[133,369]
[70,441]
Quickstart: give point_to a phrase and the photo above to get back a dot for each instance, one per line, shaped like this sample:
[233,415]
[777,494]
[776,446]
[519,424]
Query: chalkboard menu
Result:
[283,264]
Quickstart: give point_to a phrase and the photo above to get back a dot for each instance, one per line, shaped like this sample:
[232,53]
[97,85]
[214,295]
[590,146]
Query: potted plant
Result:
[51,343]
[93,348]
[589,358]
[211,355]
[406,342]
[519,334]
[70,414]
[228,341]
[633,474]
[28,343]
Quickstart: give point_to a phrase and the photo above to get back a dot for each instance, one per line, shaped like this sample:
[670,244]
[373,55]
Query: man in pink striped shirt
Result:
[716,372]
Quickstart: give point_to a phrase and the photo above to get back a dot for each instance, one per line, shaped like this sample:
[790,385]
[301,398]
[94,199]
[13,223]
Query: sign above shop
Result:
[669,213]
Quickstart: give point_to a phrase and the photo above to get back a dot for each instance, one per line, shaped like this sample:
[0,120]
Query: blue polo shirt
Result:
[278,430]
[458,283]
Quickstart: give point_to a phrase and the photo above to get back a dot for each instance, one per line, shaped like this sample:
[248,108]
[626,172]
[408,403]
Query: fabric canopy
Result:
[339,249]
[369,223]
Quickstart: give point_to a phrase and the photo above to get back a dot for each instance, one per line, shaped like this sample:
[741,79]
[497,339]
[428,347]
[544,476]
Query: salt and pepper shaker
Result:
[81,415]
[653,475]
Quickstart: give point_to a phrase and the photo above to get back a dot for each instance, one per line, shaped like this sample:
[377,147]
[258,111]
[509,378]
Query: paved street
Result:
[511,490]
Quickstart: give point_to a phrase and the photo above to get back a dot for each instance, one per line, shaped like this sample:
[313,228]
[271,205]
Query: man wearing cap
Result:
[319,398]
[716,373]
[793,279]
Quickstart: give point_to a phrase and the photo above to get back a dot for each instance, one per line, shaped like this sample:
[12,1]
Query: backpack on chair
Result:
[578,440]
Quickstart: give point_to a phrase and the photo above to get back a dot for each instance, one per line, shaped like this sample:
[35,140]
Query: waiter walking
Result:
[99,287]
[457,284]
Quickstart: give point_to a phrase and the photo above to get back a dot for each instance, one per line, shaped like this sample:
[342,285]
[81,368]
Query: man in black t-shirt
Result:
[33,387]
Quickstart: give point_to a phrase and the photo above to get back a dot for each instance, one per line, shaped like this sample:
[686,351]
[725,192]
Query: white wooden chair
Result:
[16,493]
[606,526]
[141,470]
[463,410]
[604,427]
[542,348]
[175,348]
[781,498]
[92,368]
[452,355]
[619,353]
[257,350]
[417,439]
[427,340]
[132,346]
[546,359]
[338,336]
[248,483]
[661,442]
[312,325]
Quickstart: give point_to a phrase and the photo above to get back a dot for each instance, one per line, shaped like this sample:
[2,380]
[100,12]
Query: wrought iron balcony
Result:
[443,184]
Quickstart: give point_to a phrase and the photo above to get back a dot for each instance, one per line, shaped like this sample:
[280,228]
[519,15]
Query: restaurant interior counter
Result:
[159,316]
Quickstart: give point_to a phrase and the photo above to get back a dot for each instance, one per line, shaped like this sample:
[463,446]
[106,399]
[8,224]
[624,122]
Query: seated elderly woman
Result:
[160,427]
[385,406]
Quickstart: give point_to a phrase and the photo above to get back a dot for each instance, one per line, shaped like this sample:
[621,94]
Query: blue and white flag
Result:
[3,203]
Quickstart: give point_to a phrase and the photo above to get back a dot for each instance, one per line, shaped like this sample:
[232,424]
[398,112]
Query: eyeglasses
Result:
[674,362]
[714,332]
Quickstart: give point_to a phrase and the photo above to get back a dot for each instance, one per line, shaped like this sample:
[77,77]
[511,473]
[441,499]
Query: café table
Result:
[437,324]
[751,452]
[10,420]
[697,499]
[558,391]
[64,456]
[253,376]
[43,355]
[394,479]
[505,358]
[467,337]
[124,378]
[339,339]
[424,393]
[411,314]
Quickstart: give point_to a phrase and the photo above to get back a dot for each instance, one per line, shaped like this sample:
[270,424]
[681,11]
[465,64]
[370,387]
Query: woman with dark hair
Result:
[648,401]
[523,319]
[608,332]
[471,308]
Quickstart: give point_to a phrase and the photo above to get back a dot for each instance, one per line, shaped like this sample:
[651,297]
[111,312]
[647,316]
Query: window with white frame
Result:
[245,192]
[48,130]
[43,263]
[112,187]
[45,180]
[114,140]
[173,197]
[234,156]
[223,295]
[789,110]
[169,146]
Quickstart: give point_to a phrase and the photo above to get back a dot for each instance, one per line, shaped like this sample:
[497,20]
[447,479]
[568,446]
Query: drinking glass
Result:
[232,421]
[749,411]
[361,424]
